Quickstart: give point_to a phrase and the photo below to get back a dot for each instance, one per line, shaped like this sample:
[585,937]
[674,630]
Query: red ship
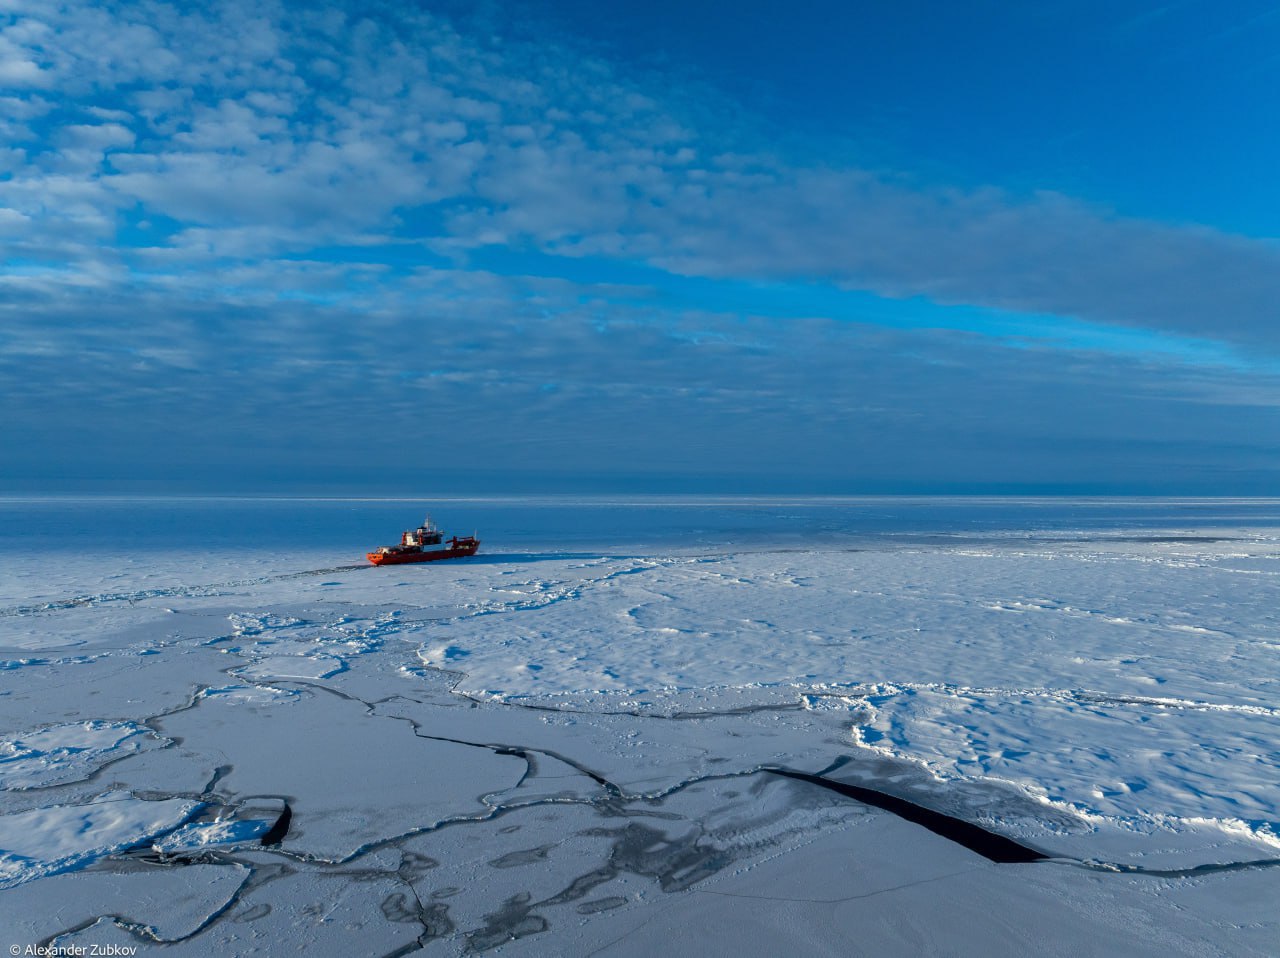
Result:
[424,544]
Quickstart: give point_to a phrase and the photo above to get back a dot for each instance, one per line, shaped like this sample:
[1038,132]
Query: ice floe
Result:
[62,838]
[67,753]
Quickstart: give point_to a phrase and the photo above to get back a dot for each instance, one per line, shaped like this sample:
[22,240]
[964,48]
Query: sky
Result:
[560,246]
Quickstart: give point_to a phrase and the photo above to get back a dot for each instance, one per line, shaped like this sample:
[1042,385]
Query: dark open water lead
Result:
[989,845]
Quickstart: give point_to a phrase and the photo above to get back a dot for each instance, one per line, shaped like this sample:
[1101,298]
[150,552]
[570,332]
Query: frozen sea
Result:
[701,725]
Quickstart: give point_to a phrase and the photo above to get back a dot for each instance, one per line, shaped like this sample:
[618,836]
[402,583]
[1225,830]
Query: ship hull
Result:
[435,555]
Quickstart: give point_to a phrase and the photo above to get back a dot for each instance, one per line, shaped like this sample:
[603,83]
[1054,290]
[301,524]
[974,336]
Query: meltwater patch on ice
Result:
[66,753]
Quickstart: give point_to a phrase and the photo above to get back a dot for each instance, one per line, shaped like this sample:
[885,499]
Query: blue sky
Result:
[756,247]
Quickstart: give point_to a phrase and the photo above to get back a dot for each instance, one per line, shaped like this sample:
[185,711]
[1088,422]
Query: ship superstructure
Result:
[424,544]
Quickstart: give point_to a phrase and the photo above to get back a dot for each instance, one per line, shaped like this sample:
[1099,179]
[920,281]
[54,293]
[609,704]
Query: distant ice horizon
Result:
[299,529]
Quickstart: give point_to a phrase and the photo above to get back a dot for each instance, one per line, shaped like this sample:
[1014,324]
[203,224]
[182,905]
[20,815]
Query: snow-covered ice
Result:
[46,841]
[564,744]
[65,753]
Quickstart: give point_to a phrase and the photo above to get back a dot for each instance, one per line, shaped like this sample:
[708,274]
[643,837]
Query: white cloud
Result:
[269,128]
[15,72]
[95,136]
[497,359]
[12,222]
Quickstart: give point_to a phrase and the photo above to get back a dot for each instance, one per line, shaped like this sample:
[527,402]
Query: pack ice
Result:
[576,752]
